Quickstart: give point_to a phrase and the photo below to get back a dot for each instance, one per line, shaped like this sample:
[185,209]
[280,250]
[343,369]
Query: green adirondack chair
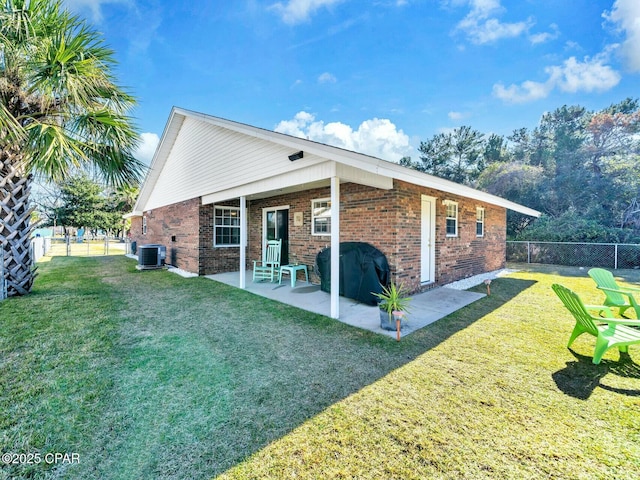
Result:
[268,268]
[609,332]
[615,295]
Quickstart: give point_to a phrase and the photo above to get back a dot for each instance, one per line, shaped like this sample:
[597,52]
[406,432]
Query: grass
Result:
[150,375]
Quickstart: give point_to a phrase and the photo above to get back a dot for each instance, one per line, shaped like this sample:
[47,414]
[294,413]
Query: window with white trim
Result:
[321,216]
[144,225]
[226,227]
[452,218]
[479,222]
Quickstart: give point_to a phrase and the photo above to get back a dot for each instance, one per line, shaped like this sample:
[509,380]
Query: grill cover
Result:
[363,269]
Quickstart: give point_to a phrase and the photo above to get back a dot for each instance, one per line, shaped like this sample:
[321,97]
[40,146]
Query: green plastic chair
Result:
[609,332]
[268,268]
[615,295]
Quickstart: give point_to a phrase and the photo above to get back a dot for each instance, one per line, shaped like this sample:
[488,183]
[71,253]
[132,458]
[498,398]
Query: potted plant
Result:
[393,305]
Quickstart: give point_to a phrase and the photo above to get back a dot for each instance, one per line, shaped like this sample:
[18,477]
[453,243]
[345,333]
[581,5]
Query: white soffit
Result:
[314,176]
[347,165]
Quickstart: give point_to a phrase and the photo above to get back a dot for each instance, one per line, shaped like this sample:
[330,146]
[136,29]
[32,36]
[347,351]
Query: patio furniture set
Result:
[609,331]
[270,267]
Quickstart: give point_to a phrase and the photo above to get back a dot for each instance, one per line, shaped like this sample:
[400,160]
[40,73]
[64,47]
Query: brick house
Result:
[215,184]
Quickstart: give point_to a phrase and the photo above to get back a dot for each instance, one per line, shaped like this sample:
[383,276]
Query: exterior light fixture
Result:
[296,156]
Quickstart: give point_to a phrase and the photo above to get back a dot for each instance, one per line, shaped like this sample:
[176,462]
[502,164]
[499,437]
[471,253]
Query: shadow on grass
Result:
[326,362]
[503,290]
[212,371]
[581,377]
[286,365]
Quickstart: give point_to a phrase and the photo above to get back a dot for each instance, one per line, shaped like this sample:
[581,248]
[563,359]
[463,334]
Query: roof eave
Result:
[355,159]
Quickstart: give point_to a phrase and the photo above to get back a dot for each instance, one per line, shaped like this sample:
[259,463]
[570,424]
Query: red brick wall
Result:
[456,257]
[218,259]
[186,229]
[136,229]
[175,226]
[390,220]
[303,247]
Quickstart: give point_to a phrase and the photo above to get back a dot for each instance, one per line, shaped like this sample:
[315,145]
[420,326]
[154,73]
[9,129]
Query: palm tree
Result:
[61,111]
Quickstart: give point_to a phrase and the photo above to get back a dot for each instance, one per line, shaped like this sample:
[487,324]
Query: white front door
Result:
[428,240]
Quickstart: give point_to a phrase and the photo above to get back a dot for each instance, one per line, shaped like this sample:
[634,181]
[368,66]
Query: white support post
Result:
[243,242]
[335,247]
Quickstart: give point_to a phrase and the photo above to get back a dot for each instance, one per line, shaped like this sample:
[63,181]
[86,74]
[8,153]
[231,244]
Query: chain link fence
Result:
[606,255]
[84,247]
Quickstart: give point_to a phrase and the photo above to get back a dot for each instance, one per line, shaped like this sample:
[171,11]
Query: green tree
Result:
[495,150]
[520,145]
[518,182]
[456,156]
[561,135]
[466,161]
[435,154]
[82,204]
[61,110]
[580,168]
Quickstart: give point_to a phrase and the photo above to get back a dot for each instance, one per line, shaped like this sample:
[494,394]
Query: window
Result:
[452,218]
[144,225]
[321,216]
[226,227]
[479,222]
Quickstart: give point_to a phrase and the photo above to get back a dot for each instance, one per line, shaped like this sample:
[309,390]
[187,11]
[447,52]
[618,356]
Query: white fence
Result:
[606,255]
[66,246]
[40,246]
[83,247]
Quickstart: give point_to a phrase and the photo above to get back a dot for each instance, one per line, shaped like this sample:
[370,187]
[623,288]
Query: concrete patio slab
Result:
[426,307]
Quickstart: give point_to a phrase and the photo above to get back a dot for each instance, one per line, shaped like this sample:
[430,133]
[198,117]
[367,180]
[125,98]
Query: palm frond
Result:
[51,151]
[71,109]
[115,165]
[11,132]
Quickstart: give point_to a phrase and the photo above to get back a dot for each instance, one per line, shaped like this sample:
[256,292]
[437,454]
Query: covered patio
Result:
[426,307]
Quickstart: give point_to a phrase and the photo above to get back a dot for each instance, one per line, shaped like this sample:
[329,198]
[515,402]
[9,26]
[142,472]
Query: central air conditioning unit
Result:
[151,256]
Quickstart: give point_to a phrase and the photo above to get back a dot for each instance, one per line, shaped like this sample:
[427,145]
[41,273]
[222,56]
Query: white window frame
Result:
[216,226]
[451,204]
[326,215]
[480,216]
[144,225]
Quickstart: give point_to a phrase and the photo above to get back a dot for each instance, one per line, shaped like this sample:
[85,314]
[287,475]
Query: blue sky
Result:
[377,76]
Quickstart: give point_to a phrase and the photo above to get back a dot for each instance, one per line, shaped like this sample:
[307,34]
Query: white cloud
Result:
[298,11]
[93,7]
[572,76]
[147,148]
[481,26]
[377,137]
[626,15]
[326,77]
[588,76]
[543,37]
[527,92]
[457,115]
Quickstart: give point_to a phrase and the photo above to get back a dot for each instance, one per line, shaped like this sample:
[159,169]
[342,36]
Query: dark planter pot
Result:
[385,324]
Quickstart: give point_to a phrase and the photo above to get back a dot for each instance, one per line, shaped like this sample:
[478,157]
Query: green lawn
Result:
[147,375]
